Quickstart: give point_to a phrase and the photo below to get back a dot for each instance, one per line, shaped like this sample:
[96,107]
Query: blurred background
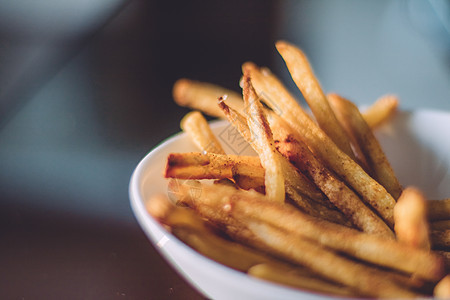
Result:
[85,93]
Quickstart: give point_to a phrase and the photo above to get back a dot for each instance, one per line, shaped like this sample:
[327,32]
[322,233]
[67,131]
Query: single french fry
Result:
[438,209]
[440,225]
[303,76]
[292,276]
[360,156]
[203,96]
[381,111]
[232,208]
[304,129]
[195,165]
[442,289]
[440,238]
[262,143]
[196,126]
[411,225]
[338,193]
[366,280]
[368,143]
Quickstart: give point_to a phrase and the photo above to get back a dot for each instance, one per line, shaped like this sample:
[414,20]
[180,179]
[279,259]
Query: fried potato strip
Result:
[303,76]
[262,143]
[381,111]
[203,96]
[368,143]
[196,126]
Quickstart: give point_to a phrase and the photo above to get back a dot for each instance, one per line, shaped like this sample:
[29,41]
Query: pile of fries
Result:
[319,207]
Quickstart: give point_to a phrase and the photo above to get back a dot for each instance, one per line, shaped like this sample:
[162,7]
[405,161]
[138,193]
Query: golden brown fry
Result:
[246,171]
[438,209]
[366,280]
[303,76]
[203,96]
[360,156]
[368,143]
[262,143]
[411,225]
[324,148]
[442,289]
[440,238]
[381,111]
[196,126]
[232,208]
[211,166]
[296,277]
[338,193]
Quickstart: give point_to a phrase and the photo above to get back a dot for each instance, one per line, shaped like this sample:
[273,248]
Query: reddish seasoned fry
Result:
[304,129]
[304,78]
[438,209]
[203,96]
[411,226]
[367,141]
[360,156]
[262,143]
[226,205]
[196,126]
[338,193]
[381,111]
[246,171]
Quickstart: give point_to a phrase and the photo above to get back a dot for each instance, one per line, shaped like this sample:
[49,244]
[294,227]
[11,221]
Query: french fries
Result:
[338,193]
[198,95]
[319,208]
[223,203]
[381,111]
[263,143]
[296,184]
[304,78]
[369,145]
[246,171]
[304,129]
[196,126]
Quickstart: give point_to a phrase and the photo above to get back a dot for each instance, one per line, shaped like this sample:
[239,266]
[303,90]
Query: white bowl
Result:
[417,145]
